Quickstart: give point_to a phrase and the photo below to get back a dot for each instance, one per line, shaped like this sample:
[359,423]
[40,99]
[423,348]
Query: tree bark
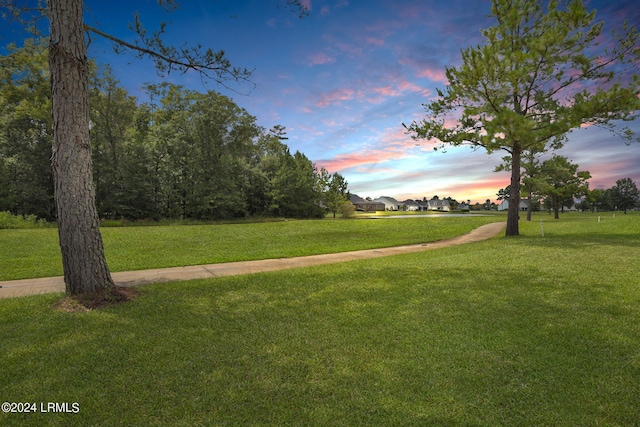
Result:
[83,260]
[514,196]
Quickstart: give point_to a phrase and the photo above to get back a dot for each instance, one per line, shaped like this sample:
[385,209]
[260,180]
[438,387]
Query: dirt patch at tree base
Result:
[96,300]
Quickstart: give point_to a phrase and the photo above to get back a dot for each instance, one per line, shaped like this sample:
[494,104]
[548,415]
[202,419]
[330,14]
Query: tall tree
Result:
[625,194]
[84,263]
[593,197]
[560,182]
[334,190]
[222,139]
[524,89]
[112,114]
[295,188]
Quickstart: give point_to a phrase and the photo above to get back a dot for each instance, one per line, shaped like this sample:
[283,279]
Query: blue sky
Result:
[343,79]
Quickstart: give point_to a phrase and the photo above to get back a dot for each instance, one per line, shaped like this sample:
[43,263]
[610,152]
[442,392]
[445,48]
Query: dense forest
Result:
[182,154]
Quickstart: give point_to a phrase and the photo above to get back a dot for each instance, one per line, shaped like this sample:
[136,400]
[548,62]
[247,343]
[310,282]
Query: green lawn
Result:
[35,252]
[532,330]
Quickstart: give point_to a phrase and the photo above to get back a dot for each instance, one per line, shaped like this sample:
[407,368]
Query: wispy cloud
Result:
[346,161]
[391,145]
[320,59]
[434,74]
[336,96]
[374,41]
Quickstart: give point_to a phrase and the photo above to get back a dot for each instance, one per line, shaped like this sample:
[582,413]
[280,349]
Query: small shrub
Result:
[347,210]
[7,220]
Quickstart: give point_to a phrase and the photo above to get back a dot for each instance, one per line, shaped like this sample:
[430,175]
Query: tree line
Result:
[556,183]
[182,154]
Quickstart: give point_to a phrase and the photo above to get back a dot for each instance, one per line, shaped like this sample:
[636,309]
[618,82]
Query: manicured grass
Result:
[35,252]
[523,331]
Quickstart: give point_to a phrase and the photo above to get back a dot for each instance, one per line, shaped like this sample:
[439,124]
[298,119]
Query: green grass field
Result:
[29,253]
[531,330]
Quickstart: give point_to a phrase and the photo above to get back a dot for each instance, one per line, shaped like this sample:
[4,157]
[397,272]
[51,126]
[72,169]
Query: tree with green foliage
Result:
[593,197]
[112,111]
[560,182]
[267,160]
[221,139]
[26,185]
[503,193]
[538,76]
[625,194]
[295,190]
[334,190]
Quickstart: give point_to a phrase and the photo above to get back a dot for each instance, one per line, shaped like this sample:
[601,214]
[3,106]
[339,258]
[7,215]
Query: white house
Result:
[390,204]
[439,205]
[411,205]
[522,206]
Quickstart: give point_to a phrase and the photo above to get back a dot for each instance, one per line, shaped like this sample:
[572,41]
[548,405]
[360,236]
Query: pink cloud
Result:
[398,139]
[406,85]
[375,41]
[381,93]
[336,96]
[329,122]
[436,75]
[319,59]
[351,49]
[351,160]
[308,129]
[394,144]
[387,91]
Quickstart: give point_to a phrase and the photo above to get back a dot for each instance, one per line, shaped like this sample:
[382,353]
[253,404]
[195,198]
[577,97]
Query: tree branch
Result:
[212,65]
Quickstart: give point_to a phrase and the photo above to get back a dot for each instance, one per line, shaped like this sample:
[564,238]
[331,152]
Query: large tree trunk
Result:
[83,259]
[513,213]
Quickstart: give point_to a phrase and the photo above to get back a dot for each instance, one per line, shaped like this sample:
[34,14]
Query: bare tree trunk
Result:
[84,263]
[513,213]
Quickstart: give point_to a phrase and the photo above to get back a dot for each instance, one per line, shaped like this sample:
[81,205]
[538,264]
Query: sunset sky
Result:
[343,79]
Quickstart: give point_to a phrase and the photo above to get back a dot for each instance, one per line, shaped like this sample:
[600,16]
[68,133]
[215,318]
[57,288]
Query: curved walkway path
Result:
[15,288]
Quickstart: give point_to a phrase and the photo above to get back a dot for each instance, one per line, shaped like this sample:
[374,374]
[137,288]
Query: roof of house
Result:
[357,199]
[435,202]
[387,199]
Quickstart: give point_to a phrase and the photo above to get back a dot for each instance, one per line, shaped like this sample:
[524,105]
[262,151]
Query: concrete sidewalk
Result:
[16,288]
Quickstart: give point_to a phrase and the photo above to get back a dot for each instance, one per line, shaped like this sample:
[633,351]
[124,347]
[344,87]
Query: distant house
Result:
[366,205]
[463,207]
[522,206]
[411,205]
[439,205]
[390,204]
[423,205]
